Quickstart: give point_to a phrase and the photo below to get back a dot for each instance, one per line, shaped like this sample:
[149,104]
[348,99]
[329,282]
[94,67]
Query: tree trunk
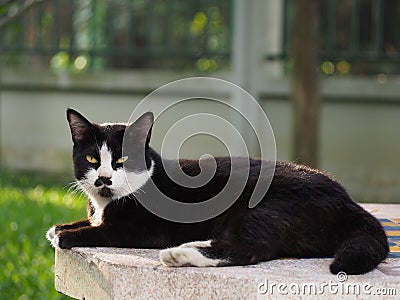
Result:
[304,84]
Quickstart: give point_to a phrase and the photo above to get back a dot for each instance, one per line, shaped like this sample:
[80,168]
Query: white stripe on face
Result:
[105,169]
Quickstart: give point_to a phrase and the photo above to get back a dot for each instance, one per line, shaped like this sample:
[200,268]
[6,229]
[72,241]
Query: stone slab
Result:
[116,273]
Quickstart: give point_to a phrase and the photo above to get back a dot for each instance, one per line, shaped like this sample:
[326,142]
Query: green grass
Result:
[29,205]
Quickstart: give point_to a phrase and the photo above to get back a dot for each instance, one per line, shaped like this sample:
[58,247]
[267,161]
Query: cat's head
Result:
[104,163]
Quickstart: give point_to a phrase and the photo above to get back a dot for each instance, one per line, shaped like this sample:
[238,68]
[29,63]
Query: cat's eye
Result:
[122,159]
[91,159]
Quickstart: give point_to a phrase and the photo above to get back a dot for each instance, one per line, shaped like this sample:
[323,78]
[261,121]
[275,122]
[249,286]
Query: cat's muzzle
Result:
[102,181]
[105,192]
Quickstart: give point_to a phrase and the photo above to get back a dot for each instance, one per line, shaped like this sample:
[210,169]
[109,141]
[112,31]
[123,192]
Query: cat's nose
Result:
[102,181]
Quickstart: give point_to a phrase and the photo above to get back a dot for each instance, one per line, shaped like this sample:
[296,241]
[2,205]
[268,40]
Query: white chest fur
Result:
[98,204]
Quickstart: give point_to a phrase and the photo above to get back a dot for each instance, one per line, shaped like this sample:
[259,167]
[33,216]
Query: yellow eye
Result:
[91,159]
[122,159]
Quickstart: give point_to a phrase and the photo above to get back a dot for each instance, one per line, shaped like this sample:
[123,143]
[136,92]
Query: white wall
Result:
[360,141]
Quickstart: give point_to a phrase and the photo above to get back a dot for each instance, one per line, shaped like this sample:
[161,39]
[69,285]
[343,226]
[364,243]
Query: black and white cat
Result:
[305,213]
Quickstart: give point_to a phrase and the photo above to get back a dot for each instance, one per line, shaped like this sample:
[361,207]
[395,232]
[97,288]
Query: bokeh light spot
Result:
[80,62]
[343,67]
[328,68]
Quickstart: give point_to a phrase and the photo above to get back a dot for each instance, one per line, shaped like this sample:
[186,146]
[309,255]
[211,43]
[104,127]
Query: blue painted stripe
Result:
[395,228]
[385,220]
[394,255]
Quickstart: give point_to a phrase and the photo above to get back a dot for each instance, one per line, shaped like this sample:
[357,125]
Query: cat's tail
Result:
[359,254]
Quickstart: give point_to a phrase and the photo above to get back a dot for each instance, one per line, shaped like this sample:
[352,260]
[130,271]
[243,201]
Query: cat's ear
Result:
[140,130]
[80,127]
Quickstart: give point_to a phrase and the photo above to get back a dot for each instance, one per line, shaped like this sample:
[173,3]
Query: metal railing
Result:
[124,33]
[363,33]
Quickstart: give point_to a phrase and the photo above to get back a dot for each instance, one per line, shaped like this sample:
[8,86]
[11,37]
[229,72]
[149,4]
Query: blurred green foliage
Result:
[30,204]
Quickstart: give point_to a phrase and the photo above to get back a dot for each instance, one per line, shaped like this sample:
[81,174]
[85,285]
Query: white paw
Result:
[52,237]
[56,242]
[51,234]
[184,257]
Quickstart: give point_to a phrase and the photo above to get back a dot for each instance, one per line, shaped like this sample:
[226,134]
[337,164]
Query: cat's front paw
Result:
[52,236]
[65,240]
[60,239]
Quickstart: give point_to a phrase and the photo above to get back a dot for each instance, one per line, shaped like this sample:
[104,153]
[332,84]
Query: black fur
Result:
[305,213]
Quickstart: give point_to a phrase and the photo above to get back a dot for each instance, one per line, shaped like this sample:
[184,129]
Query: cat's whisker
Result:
[71,186]
[75,188]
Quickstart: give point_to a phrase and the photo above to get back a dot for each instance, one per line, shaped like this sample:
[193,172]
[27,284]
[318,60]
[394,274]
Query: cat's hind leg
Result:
[189,254]
[212,254]
[51,234]
[244,241]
